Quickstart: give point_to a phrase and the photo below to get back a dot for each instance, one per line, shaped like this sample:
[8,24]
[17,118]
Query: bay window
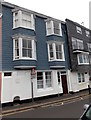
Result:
[23,19]
[83,58]
[53,27]
[77,44]
[24,48]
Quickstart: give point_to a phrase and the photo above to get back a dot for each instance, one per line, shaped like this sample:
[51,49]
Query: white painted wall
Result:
[55,89]
[75,86]
[17,85]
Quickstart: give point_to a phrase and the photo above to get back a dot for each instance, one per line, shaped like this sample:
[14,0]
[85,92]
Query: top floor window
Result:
[53,27]
[22,19]
[87,33]
[77,44]
[79,30]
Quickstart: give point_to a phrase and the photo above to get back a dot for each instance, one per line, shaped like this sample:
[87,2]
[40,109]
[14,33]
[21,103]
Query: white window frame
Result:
[82,77]
[87,33]
[77,43]
[52,28]
[89,47]
[84,61]
[54,52]
[44,81]
[78,29]
[20,24]
[10,76]
[20,50]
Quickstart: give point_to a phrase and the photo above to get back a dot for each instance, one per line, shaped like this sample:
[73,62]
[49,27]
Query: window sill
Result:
[81,83]
[83,63]
[44,89]
[23,27]
[54,34]
[56,60]
[24,59]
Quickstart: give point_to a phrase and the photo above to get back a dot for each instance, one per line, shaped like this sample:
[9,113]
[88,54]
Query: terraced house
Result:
[79,45]
[32,41]
[40,55]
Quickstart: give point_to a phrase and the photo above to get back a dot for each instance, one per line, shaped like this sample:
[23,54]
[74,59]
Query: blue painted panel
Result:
[42,53]
[57,63]
[24,63]
[23,31]
[40,33]
[7,43]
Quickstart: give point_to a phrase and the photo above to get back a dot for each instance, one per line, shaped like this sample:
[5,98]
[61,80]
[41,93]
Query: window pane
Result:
[30,53]
[58,75]
[74,43]
[16,49]
[56,31]
[83,79]
[39,80]
[29,44]
[79,30]
[79,77]
[56,25]
[48,79]
[27,20]
[79,44]
[24,43]
[89,47]
[58,52]
[87,33]
[7,74]
[80,58]
[56,28]
[51,52]
[24,52]
[27,48]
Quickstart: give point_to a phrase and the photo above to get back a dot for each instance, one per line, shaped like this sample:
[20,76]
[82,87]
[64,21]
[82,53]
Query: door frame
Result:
[64,73]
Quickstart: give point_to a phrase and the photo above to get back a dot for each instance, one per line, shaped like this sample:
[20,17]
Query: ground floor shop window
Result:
[44,80]
[81,77]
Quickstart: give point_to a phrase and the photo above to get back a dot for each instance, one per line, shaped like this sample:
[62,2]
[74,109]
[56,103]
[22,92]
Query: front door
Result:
[64,84]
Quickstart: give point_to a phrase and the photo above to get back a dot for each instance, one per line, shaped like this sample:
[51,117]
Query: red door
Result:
[64,84]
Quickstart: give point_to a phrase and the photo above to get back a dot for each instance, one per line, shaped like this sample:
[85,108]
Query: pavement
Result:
[43,101]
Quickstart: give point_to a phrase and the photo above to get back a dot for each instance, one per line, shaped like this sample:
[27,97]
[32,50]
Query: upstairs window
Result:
[56,28]
[53,27]
[16,49]
[77,44]
[56,51]
[22,19]
[87,33]
[24,49]
[27,48]
[83,58]
[89,47]
[79,30]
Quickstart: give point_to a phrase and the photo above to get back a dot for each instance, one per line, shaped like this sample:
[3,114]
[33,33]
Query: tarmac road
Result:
[69,109]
